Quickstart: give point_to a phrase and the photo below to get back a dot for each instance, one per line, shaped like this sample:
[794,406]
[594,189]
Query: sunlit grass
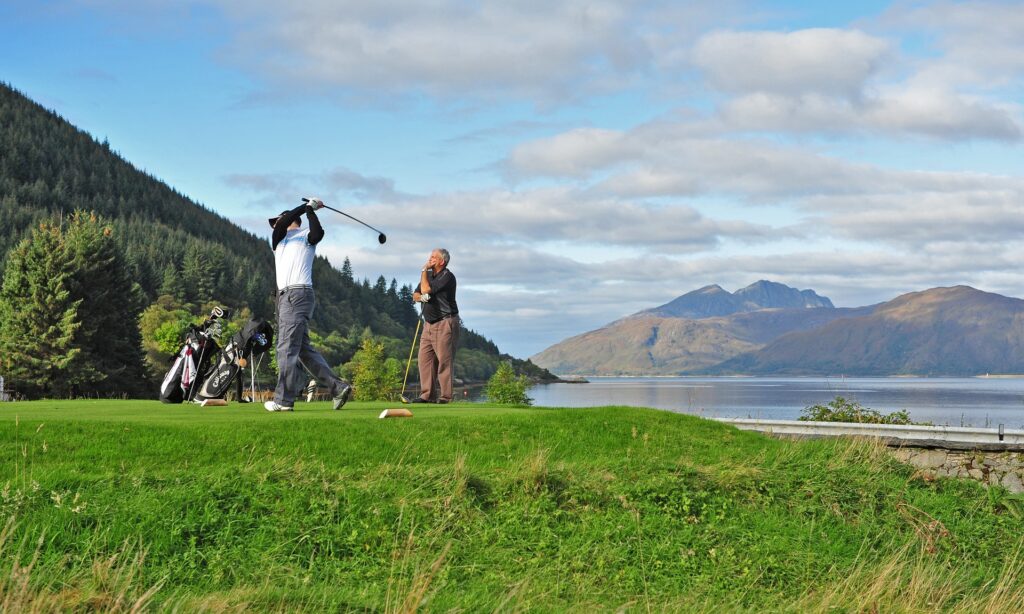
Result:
[126,505]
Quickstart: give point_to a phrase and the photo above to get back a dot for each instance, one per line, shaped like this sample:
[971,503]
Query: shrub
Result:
[842,410]
[508,388]
[375,378]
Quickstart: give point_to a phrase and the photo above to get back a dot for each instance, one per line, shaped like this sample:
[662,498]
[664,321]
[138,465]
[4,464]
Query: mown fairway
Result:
[132,503]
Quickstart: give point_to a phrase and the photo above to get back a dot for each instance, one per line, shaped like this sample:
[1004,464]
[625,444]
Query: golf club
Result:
[381,237]
[419,322]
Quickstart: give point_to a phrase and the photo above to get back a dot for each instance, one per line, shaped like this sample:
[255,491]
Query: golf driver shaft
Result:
[408,363]
[382,238]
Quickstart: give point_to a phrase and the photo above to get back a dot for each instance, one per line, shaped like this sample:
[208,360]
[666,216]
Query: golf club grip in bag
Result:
[254,338]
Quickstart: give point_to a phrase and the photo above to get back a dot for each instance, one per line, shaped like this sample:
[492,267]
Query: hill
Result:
[942,331]
[710,326]
[134,506]
[175,246]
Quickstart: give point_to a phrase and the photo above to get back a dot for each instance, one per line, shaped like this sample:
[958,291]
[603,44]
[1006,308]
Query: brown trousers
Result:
[437,358]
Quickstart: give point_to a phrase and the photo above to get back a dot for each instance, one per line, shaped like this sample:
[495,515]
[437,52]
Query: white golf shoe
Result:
[273,406]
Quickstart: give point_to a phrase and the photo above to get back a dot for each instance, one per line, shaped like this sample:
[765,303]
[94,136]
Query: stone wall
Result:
[989,468]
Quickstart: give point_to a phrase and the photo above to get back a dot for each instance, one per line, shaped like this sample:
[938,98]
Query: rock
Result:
[976,474]
[931,458]
[904,454]
[1012,483]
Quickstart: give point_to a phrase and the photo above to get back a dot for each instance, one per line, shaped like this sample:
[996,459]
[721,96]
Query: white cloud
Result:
[832,81]
[574,153]
[975,43]
[543,215]
[992,212]
[941,113]
[332,185]
[444,47]
[660,159]
[813,61]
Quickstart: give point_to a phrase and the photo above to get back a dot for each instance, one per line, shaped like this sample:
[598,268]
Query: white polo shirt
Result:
[294,257]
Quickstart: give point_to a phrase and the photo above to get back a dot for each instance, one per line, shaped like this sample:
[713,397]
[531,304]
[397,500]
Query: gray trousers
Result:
[294,309]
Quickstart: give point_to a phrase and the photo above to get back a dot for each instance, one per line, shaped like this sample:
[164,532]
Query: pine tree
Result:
[346,273]
[172,284]
[198,275]
[39,319]
[112,301]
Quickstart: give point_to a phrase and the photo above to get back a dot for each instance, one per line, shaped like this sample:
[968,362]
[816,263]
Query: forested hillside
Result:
[47,166]
[176,247]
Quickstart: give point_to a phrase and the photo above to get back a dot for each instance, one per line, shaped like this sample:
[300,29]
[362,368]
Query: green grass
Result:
[117,504]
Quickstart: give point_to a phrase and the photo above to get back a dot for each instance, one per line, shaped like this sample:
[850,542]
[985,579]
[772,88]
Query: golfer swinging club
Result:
[436,292]
[294,251]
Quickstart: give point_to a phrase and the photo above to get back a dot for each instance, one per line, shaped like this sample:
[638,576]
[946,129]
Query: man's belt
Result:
[295,287]
[444,317]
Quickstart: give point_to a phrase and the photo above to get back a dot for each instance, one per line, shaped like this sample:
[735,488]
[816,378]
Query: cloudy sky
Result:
[581,160]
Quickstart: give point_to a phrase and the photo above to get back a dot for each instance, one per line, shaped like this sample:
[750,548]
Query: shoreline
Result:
[562,378]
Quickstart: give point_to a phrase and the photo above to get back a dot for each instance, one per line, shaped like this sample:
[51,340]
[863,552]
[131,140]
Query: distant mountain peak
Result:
[714,301]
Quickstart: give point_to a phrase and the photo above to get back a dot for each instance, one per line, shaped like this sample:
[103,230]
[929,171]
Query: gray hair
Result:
[444,255]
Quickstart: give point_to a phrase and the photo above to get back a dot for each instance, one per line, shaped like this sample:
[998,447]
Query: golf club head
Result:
[382,239]
[404,399]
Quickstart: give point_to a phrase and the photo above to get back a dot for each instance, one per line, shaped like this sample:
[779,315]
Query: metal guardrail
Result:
[946,437]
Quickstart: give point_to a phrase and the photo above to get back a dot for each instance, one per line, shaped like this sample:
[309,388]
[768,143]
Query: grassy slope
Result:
[476,508]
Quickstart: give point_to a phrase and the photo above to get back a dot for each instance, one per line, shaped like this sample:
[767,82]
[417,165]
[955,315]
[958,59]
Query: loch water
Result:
[973,401]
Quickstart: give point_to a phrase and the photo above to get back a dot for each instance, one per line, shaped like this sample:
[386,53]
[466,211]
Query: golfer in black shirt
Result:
[436,293]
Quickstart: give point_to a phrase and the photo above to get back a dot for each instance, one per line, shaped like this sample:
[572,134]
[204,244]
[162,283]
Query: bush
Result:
[375,378]
[842,410]
[508,388]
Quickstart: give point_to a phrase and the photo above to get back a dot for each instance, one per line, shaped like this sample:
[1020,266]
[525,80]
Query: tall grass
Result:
[910,579]
[110,584]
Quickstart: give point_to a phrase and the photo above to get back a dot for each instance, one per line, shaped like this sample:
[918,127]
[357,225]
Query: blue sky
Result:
[581,160]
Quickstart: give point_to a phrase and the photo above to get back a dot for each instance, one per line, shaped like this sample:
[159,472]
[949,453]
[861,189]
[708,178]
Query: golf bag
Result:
[254,339]
[192,363]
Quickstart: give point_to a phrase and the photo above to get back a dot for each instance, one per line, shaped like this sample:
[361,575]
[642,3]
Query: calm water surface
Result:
[954,401]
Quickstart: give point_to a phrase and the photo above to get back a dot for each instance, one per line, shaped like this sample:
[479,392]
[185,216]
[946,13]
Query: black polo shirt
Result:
[442,296]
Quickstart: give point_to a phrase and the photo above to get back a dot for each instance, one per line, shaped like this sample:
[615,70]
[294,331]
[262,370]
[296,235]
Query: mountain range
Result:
[768,328]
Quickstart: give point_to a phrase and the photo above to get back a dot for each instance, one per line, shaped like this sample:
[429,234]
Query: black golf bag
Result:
[192,364]
[255,338]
